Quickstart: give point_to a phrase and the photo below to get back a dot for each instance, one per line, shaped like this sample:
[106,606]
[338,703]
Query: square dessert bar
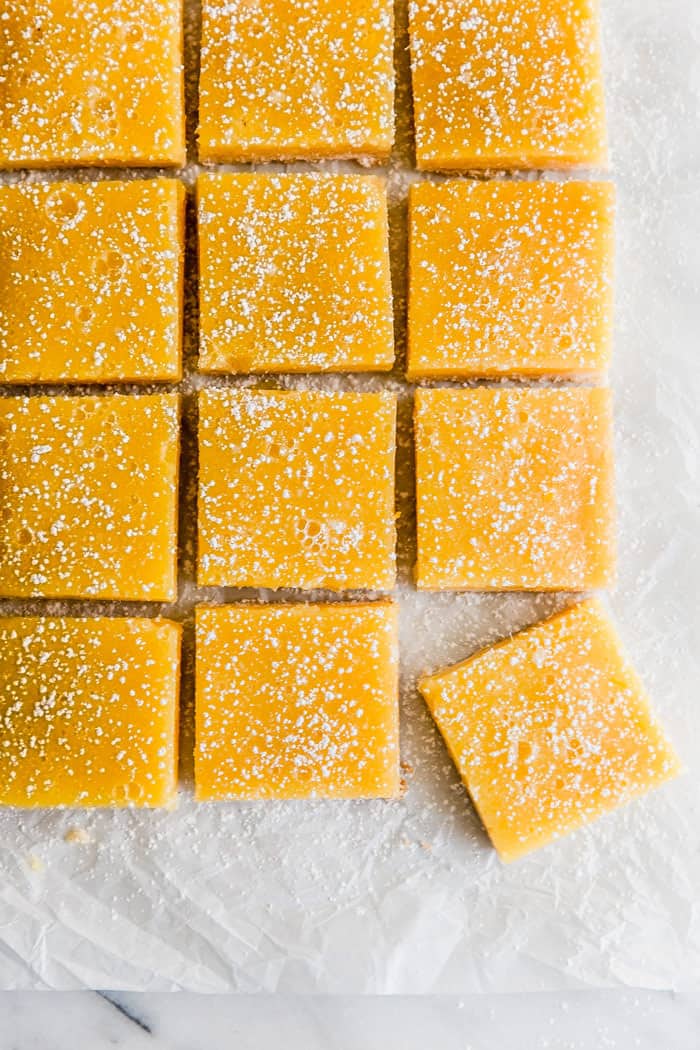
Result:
[97,83]
[304,79]
[91,281]
[507,84]
[296,489]
[88,497]
[549,729]
[294,273]
[510,278]
[514,489]
[297,701]
[88,711]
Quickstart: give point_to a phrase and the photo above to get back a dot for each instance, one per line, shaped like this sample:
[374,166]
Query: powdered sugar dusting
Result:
[294,274]
[96,82]
[549,729]
[94,713]
[506,84]
[297,701]
[89,497]
[91,281]
[514,489]
[282,81]
[510,278]
[312,478]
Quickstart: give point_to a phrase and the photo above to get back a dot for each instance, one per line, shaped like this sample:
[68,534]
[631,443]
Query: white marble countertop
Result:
[579,1021]
[656,147]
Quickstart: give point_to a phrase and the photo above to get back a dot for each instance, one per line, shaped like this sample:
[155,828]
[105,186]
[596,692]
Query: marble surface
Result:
[577,1021]
[653,55]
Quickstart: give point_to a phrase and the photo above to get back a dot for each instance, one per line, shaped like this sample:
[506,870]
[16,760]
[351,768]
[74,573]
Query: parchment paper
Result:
[407,896]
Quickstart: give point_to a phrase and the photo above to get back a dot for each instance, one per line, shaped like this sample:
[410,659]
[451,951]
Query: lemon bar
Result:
[514,489]
[88,497]
[88,84]
[510,278]
[549,729]
[297,701]
[88,711]
[294,273]
[296,79]
[296,489]
[507,84]
[91,281]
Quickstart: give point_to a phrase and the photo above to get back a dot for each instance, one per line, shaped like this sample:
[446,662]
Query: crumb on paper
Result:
[35,863]
[79,836]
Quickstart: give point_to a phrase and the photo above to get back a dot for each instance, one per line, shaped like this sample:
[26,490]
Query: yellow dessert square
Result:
[296,489]
[88,497]
[297,701]
[96,83]
[549,729]
[88,711]
[294,273]
[514,489]
[507,84]
[510,278]
[286,79]
[91,281]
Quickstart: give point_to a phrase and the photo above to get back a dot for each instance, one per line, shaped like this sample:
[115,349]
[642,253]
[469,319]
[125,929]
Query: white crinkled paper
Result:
[407,896]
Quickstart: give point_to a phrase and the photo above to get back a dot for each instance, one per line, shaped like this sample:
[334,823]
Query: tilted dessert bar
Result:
[549,729]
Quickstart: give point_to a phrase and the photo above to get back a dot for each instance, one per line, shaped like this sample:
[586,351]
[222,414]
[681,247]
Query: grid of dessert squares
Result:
[509,278]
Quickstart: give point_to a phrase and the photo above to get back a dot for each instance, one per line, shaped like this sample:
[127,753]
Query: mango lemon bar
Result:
[297,701]
[514,489]
[294,273]
[88,711]
[88,497]
[510,278]
[286,79]
[96,83]
[91,281]
[549,729]
[507,84]
[296,489]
